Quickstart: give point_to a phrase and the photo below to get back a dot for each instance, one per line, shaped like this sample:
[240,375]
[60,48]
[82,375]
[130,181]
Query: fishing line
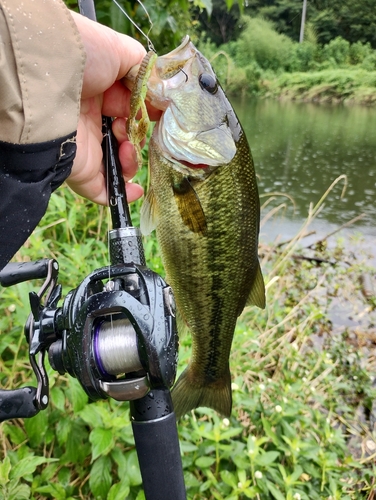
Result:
[150,43]
[109,225]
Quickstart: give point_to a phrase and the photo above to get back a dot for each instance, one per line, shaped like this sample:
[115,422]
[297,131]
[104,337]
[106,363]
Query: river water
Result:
[299,149]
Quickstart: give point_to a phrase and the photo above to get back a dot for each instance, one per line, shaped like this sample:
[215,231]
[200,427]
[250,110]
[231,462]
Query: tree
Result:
[353,20]
[220,25]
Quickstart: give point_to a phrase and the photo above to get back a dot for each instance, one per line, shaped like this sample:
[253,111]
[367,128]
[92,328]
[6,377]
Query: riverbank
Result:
[348,86]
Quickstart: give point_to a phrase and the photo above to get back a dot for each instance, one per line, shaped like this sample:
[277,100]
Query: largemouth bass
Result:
[204,204]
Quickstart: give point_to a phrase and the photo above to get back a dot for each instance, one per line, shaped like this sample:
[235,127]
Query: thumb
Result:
[109,55]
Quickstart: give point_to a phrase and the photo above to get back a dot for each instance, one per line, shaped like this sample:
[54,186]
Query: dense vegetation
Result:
[353,20]
[254,47]
[264,62]
[299,390]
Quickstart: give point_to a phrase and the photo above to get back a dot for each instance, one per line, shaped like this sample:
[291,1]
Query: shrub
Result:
[369,62]
[338,50]
[261,43]
[359,51]
[303,56]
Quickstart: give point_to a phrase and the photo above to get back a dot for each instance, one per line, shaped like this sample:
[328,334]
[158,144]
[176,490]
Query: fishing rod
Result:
[116,333]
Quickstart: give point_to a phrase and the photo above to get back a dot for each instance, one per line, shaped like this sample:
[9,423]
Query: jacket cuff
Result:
[29,173]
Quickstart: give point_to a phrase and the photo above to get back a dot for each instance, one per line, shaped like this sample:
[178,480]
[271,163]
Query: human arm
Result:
[45,57]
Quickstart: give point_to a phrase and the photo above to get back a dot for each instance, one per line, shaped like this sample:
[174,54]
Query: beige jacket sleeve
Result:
[41,69]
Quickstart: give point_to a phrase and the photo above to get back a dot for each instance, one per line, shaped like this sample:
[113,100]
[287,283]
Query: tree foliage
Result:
[353,20]
[221,24]
[218,20]
[164,21]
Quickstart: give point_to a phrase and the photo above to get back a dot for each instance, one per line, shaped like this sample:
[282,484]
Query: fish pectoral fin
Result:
[257,293]
[148,215]
[189,206]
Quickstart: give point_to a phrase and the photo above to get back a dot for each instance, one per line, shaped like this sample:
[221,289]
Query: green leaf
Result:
[118,491]
[275,492]
[77,395]
[49,472]
[20,492]
[28,465]
[5,467]
[242,475]
[230,433]
[241,461]
[269,432]
[16,434]
[102,441]
[208,5]
[72,216]
[241,6]
[77,446]
[266,458]
[252,446]
[58,202]
[205,462]
[133,468]
[91,416]
[187,447]
[55,490]
[190,480]
[100,477]
[36,428]
[250,492]
[295,475]
[58,398]
[121,460]
[63,430]
[228,478]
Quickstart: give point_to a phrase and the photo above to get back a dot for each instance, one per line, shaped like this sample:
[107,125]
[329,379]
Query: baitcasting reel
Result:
[116,332]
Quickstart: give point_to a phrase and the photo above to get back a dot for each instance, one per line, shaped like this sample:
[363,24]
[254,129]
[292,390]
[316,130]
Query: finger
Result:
[119,129]
[109,55]
[128,160]
[134,191]
[116,102]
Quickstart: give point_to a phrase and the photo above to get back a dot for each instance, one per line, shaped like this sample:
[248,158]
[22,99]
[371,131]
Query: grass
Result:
[301,426]
[332,86]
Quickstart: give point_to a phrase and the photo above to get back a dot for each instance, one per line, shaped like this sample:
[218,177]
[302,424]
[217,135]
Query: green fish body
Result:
[203,202]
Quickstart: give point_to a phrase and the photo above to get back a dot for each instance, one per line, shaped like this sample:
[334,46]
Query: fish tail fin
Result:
[190,392]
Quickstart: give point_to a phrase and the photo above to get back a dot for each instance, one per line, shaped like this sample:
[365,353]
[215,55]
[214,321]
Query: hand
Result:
[110,55]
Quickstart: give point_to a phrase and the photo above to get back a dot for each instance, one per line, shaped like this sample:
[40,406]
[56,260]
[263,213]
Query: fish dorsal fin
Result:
[189,206]
[257,293]
[148,215]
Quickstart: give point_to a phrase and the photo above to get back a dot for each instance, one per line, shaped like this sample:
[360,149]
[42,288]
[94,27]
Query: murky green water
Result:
[300,148]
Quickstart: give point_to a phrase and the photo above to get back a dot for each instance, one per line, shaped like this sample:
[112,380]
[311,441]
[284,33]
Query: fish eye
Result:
[208,82]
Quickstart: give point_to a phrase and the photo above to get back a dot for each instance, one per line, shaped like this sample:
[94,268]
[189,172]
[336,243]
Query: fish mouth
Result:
[194,166]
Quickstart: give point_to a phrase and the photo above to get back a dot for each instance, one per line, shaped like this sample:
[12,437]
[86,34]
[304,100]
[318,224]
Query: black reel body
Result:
[119,338]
